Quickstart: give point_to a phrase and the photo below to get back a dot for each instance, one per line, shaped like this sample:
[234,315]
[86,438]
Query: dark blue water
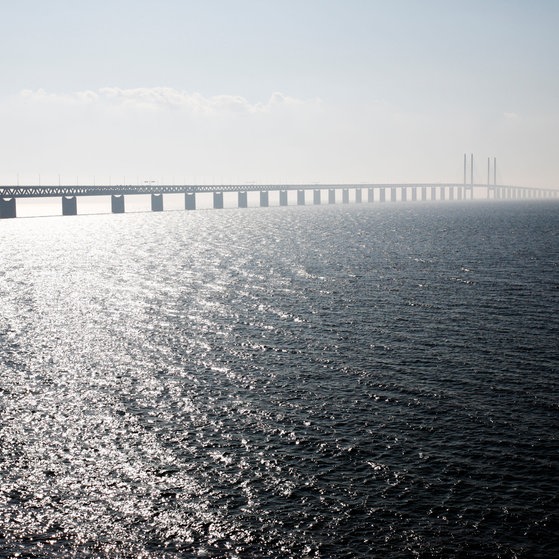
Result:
[326,382]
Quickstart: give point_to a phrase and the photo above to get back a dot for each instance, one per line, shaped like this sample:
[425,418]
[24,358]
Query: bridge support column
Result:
[404,196]
[423,193]
[316,197]
[190,201]
[300,197]
[345,196]
[242,200]
[459,193]
[393,195]
[332,196]
[218,200]
[7,208]
[433,193]
[383,194]
[443,193]
[414,193]
[264,199]
[451,193]
[358,195]
[157,202]
[370,195]
[117,203]
[283,197]
[69,205]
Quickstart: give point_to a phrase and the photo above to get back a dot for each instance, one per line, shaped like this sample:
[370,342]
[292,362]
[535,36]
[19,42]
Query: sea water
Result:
[333,381]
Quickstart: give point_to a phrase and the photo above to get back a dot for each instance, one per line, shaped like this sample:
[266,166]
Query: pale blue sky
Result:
[269,90]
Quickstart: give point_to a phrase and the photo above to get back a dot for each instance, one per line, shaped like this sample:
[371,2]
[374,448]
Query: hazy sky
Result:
[278,90]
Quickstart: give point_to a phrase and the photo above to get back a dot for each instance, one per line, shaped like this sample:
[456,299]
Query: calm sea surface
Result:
[334,382]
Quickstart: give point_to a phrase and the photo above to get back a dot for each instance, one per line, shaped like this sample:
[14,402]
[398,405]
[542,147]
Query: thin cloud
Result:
[167,99]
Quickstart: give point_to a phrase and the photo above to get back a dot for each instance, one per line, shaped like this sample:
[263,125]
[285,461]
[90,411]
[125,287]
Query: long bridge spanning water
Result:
[373,193]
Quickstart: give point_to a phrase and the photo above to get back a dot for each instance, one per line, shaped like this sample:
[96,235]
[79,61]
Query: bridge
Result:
[374,193]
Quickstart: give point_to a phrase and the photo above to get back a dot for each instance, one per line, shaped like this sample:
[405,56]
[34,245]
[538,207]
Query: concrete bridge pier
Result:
[423,193]
[414,193]
[7,208]
[358,196]
[283,198]
[443,193]
[404,196]
[433,193]
[316,197]
[157,202]
[332,196]
[345,196]
[69,205]
[117,203]
[393,195]
[300,197]
[383,194]
[218,200]
[190,201]
[264,199]
[371,195]
[242,200]
[451,193]
[459,193]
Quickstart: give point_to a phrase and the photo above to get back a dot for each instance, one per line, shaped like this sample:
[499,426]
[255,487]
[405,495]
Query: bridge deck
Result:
[117,190]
